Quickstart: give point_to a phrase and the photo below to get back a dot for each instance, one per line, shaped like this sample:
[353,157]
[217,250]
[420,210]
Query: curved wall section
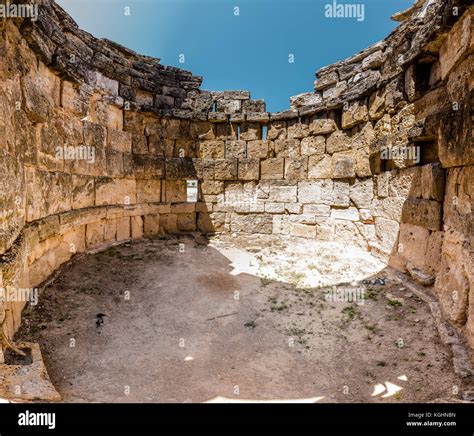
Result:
[98,144]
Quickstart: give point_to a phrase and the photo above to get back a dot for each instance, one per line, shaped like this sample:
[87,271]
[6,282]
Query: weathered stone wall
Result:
[320,170]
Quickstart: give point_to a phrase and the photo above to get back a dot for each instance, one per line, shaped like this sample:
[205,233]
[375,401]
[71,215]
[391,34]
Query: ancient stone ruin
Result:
[100,145]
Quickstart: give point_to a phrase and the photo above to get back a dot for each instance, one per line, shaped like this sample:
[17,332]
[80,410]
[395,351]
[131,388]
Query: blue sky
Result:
[248,51]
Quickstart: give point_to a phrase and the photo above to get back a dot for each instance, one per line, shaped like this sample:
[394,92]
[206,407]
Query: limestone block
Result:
[356,113]
[114,163]
[123,229]
[148,191]
[95,135]
[277,130]
[455,279]
[212,187]
[137,228]
[338,141]
[322,126]
[274,207]
[296,169]
[326,230]
[432,182]
[460,39]
[413,244]
[249,169]
[226,169]
[362,193]
[175,191]
[349,214]
[424,213]
[341,194]
[382,183]
[253,223]
[386,231]
[458,207]
[297,129]
[287,148]
[151,225]
[212,149]
[344,166]
[272,169]
[303,230]
[316,191]
[75,239]
[235,149]
[72,100]
[110,191]
[283,194]
[320,167]
[313,145]
[203,131]
[433,253]
[257,149]
[250,131]
[95,232]
[119,140]
[281,225]
[346,230]
[211,222]
[41,91]
[187,222]
[319,210]
[455,135]
[110,231]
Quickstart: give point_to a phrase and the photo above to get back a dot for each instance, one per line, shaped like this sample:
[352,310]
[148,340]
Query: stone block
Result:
[344,166]
[119,140]
[175,191]
[424,213]
[356,113]
[257,149]
[226,169]
[95,233]
[338,141]
[212,149]
[211,222]
[320,167]
[362,193]
[272,169]
[151,225]
[296,169]
[148,191]
[313,145]
[432,182]
[316,191]
[187,222]
[412,244]
[110,191]
[349,214]
[460,39]
[136,224]
[249,169]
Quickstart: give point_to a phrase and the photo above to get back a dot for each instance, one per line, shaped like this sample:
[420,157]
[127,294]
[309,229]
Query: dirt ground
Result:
[192,320]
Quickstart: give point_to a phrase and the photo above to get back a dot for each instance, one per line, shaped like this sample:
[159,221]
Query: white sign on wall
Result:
[192,191]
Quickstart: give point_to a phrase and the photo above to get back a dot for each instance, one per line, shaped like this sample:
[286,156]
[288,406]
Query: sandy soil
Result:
[193,320]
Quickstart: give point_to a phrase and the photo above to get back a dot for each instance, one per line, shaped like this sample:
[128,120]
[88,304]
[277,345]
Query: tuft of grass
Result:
[394,303]
[371,293]
[250,325]
[349,311]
